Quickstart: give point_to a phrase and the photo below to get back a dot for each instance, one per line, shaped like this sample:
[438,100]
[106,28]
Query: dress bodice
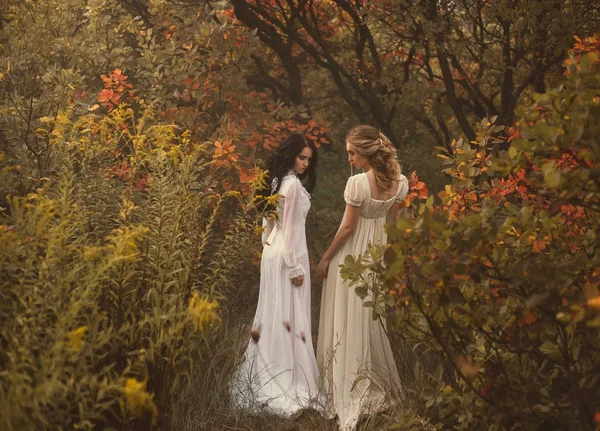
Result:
[286,233]
[299,195]
[358,193]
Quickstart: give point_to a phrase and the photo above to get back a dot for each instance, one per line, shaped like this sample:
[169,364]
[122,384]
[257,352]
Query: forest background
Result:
[131,139]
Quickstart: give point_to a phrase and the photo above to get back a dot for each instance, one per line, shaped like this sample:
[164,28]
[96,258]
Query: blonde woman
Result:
[351,343]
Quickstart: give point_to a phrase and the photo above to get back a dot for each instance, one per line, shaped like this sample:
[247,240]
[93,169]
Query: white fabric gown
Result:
[351,343]
[279,372]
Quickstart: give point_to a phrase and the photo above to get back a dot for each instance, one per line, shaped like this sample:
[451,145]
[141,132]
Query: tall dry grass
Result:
[205,403]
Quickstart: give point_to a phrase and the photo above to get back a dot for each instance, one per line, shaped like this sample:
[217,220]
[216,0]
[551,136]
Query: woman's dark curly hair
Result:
[284,158]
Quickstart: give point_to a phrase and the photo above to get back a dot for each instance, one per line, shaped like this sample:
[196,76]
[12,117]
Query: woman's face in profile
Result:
[303,160]
[357,160]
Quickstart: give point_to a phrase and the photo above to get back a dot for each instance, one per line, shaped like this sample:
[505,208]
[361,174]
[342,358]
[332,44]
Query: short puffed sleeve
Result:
[355,192]
[402,189]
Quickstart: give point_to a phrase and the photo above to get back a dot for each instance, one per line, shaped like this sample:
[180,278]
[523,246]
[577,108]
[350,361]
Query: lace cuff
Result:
[296,271]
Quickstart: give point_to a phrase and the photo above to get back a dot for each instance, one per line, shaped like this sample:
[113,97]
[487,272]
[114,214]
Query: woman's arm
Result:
[291,222]
[347,228]
[392,214]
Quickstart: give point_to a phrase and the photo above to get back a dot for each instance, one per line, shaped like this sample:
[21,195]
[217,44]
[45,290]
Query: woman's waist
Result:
[280,236]
[373,218]
[278,250]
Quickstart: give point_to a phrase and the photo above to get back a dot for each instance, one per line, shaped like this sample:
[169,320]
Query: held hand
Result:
[322,268]
[298,281]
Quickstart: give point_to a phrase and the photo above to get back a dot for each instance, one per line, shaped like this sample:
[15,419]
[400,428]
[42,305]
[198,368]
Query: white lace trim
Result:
[296,271]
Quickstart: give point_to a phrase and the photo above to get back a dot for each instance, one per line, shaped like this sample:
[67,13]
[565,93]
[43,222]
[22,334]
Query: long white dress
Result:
[279,372]
[353,351]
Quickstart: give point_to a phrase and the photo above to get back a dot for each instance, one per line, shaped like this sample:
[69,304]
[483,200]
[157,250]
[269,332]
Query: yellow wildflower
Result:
[139,399]
[203,312]
[273,199]
[92,253]
[76,338]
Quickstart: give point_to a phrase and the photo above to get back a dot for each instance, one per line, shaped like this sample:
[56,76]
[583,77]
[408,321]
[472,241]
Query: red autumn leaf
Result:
[246,176]
[529,318]
[514,133]
[141,184]
[107,80]
[109,98]
[538,246]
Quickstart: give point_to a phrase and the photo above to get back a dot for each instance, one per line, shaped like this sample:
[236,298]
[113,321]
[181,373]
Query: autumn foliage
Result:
[132,135]
[128,209]
[502,278]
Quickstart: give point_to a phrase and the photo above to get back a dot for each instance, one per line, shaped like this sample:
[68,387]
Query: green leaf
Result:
[361,291]
[390,255]
[552,176]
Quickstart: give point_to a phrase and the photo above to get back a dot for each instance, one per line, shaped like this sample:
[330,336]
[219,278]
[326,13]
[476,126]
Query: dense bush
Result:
[110,277]
[502,280]
[129,142]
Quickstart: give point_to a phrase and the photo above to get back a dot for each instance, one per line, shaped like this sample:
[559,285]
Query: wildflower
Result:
[203,312]
[76,338]
[139,399]
[92,253]
[273,199]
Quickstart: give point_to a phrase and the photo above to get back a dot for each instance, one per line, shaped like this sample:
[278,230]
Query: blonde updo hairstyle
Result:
[379,151]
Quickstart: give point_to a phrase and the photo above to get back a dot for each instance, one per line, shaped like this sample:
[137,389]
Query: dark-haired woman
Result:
[279,372]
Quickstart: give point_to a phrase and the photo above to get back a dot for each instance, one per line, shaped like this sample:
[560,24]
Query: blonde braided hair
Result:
[379,151]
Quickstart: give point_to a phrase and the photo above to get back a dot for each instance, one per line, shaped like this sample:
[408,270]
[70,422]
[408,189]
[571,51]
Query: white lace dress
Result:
[279,372]
[353,351]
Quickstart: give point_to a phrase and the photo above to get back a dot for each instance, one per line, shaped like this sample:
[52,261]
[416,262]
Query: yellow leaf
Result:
[594,302]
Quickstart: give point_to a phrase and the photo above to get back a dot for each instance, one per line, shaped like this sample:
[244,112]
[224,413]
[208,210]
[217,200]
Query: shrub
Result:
[502,279]
[112,272]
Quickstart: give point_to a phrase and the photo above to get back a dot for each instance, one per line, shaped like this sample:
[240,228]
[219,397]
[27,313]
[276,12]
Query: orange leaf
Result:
[529,318]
